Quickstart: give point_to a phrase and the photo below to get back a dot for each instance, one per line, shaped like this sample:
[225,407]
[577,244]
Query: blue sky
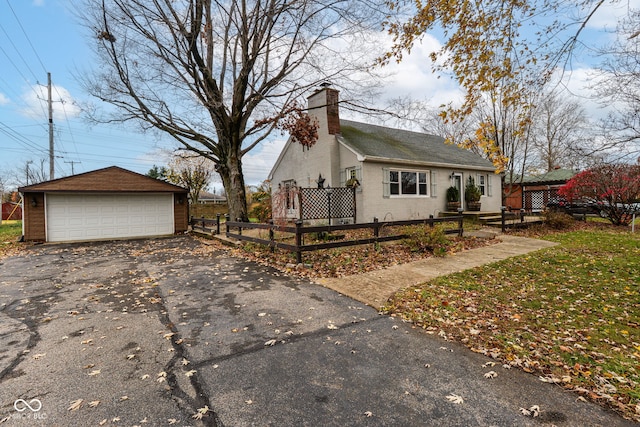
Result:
[40,36]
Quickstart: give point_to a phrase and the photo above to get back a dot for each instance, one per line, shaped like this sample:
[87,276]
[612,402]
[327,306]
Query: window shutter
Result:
[385,182]
[343,180]
[434,184]
[489,192]
[359,173]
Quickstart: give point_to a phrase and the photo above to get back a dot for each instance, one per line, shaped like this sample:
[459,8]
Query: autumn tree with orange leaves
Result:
[501,50]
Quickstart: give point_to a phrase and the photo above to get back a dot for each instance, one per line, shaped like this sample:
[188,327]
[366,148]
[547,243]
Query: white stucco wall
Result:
[371,202]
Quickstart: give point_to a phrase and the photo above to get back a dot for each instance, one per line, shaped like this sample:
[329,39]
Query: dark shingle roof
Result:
[378,142]
[556,176]
[111,179]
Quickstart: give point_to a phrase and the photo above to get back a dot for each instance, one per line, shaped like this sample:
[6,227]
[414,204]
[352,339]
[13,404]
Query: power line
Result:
[26,37]
[19,138]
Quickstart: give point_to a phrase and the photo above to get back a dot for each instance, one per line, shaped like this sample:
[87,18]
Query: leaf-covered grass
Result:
[10,232]
[422,242]
[570,314]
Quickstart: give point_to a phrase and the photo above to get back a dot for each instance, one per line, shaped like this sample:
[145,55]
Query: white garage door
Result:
[73,217]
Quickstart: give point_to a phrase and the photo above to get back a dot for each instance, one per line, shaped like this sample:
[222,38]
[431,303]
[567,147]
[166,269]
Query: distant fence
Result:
[519,219]
[298,232]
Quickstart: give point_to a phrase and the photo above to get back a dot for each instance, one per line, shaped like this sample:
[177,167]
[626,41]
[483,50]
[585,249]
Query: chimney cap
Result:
[325,84]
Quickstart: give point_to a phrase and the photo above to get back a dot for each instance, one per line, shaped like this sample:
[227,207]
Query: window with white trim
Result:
[483,181]
[482,184]
[408,183]
[290,200]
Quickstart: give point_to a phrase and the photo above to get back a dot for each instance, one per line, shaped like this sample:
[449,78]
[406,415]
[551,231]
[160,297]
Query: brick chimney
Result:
[323,105]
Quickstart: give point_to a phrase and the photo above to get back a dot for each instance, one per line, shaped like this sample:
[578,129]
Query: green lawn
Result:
[10,232]
[569,314]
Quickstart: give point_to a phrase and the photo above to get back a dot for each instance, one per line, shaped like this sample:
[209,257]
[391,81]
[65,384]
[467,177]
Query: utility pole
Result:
[27,170]
[51,156]
[72,163]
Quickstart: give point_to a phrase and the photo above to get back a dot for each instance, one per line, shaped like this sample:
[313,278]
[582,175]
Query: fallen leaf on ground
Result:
[201,412]
[454,398]
[75,405]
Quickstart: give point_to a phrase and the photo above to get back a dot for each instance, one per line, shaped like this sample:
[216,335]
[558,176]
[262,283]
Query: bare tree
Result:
[560,133]
[219,76]
[619,89]
[191,172]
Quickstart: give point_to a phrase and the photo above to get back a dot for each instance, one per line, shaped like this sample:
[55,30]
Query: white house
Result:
[400,174]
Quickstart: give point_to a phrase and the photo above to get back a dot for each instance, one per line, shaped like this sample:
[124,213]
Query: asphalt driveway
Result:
[174,332]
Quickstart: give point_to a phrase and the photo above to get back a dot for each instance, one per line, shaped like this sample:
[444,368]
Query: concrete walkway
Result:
[375,287]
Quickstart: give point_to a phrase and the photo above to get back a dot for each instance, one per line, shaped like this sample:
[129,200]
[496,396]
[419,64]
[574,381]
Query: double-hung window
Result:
[408,183]
[484,184]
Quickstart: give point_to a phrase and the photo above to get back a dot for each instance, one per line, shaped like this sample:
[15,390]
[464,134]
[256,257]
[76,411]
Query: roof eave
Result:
[376,159]
[359,156]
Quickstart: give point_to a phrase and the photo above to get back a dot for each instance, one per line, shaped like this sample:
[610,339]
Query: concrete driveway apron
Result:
[173,332]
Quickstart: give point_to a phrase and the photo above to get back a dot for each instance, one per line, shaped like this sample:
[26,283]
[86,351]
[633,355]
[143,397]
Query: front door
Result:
[457,182]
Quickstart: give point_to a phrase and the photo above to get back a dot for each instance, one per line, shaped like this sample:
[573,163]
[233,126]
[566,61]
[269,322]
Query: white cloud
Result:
[414,75]
[38,2]
[35,99]
[3,99]
[258,163]
[608,15]
[580,84]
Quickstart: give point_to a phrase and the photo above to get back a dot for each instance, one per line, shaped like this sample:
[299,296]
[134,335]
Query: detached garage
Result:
[110,203]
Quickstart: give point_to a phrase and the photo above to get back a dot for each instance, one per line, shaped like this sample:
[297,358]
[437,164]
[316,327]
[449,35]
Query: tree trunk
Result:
[233,182]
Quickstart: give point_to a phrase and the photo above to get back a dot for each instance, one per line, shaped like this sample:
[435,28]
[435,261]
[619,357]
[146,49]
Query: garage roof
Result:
[108,180]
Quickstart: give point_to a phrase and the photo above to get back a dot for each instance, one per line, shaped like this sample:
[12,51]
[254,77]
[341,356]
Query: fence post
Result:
[226,221]
[218,223]
[298,241]
[272,244]
[376,228]
[239,227]
[503,219]
[460,221]
[204,227]
[191,221]
[521,215]
[431,223]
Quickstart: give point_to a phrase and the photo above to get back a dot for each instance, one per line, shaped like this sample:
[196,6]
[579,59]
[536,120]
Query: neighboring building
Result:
[533,193]
[104,204]
[11,211]
[207,198]
[399,174]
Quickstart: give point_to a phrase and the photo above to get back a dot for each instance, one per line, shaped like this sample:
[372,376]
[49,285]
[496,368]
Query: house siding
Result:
[180,213]
[370,202]
[34,218]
